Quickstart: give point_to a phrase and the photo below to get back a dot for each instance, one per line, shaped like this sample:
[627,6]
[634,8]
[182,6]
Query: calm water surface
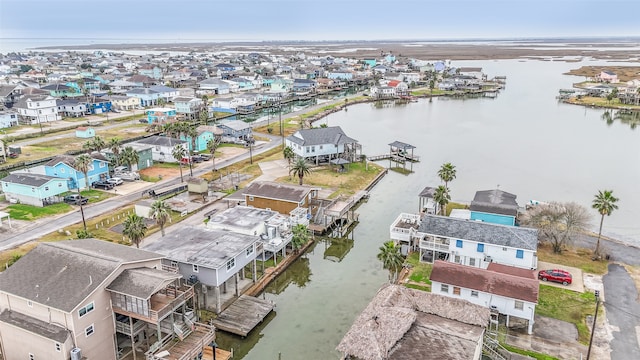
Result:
[523,141]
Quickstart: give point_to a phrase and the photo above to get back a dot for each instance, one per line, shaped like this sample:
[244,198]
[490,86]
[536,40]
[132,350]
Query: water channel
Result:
[523,141]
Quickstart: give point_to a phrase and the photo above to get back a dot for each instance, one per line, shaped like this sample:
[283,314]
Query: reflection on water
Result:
[628,117]
[336,249]
[298,273]
[241,346]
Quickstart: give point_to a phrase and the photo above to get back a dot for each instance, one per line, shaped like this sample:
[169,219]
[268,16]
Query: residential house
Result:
[71,108]
[404,323]
[323,144]
[400,88]
[607,76]
[122,85]
[33,189]
[475,243]
[510,291]
[37,109]
[162,147]
[215,86]
[161,115]
[287,199]
[494,206]
[85,132]
[381,92]
[206,133]
[224,67]
[189,107]
[340,75]
[8,118]
[304,86]
[61,91]
[96,300]
[151,71]
[280,85]
[214,258]
[473,72]
[236,131]
[123,102]
[244,84]
[147,96]
[142,80]
[62,166]
[97,105]
[9,94]
[145,155]
[165,92]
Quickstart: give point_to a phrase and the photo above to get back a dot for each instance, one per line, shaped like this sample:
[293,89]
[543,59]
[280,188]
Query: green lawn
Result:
[29,212]
[532,354]
[567,305]
[420,271]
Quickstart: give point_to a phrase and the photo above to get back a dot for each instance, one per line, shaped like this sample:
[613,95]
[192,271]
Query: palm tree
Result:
[605,203]
[88,146]
[134,228]
[441,197]
[82,164]
[447,173]
[300,169]
[160,212]
[391,259]
[289,155]
[179,153]
[212,146]
[300,237]
[169,129]
[129,156]
[98,143]
[114,146]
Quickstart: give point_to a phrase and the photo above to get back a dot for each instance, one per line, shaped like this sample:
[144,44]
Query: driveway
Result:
[576,285]
[623,313]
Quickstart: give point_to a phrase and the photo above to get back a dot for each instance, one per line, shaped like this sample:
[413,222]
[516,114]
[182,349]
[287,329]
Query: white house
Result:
[323,144]
[467,242]
[162,147]
[8,118]
[382,91]
[36,109]
[510,291]
[474,72]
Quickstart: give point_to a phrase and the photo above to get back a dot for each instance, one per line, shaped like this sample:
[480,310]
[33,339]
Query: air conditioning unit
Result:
[76,354]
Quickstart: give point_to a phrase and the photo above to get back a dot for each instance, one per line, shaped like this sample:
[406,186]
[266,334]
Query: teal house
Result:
[161,115]
[62,91]
[62,166]
[494,206]
[33,189]
[205,134]
[85,132]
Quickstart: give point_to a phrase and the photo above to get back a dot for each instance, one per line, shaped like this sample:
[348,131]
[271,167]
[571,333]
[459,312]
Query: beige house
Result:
[123,102]
[96,300]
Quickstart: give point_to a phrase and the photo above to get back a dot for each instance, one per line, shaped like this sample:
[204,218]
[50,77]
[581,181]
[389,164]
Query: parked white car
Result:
[115,181]
[129,176]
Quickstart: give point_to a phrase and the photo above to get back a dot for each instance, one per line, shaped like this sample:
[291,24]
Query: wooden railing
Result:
[180,297]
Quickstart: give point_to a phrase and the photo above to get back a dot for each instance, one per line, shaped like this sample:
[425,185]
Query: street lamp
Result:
[595,318]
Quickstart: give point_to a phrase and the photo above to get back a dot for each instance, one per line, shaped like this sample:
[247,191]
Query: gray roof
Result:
[146,91]
[240,218]
[495,202]
[142,282]
[482,232]
[235,125]
[6,90]
[29,179]
[428,192]
[201,246]
[401,145]
[321,136]
[278,191]
[67,271]
[161,141]
[162,88]
[35,326]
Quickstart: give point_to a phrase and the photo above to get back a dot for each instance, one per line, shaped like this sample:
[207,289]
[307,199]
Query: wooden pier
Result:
[243,315]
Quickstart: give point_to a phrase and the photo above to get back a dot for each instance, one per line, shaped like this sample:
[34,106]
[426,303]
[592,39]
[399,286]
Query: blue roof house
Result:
[33,189]
[61,166]
[147,96]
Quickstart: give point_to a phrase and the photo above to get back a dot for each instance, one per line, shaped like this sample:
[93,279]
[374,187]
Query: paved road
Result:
[69,134]
[623,312]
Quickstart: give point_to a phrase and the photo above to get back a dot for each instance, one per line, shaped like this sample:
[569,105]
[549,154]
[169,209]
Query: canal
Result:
[523,142]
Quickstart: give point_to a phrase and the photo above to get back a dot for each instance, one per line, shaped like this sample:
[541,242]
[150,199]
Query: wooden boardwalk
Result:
[243,315]
[221,354]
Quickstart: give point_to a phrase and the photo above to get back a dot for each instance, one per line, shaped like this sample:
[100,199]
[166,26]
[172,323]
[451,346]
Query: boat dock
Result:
[243,315]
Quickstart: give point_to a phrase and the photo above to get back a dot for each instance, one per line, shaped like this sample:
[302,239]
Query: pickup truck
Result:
[128,175]
[76,199]
[102,185]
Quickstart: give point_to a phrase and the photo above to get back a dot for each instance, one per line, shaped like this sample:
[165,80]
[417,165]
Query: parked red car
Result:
[555,275]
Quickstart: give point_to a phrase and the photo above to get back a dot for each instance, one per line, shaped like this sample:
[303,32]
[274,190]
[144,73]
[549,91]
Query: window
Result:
[472,262]
[250,198]
[504,249]
[249,251]
[474,293]
[456,290]
[320,147]
[174,264]
[62,170]
[46,188]
[195,268]
[89,330]
[231,264]
[520,254]
[85,310]
[444,288]
[518,305]
[308,149]
[59,184]
[102,164]
[456,259]
[58,347]
[480,248]
[30,303]
[459,243]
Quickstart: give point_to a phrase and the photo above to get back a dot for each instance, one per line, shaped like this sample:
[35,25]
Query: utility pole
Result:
[595,319]
[281,125]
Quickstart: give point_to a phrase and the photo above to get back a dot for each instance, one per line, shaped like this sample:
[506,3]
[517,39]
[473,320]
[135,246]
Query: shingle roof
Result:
[146,91]
[235,125]
[142,282]
[35,326]
[321,136]
[487,281]
[161,141]
[63,274]
[495,202]
[482,232]
[278,191]
[28,179]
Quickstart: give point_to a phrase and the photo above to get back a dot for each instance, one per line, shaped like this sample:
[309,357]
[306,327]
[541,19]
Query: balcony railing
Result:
[160,304]
[181,295]
[187,349]
[125,328]
[432,245]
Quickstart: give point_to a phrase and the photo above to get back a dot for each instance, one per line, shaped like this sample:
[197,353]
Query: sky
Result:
[264,20]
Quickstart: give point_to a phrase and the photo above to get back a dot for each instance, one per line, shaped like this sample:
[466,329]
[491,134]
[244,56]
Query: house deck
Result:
[243,315]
